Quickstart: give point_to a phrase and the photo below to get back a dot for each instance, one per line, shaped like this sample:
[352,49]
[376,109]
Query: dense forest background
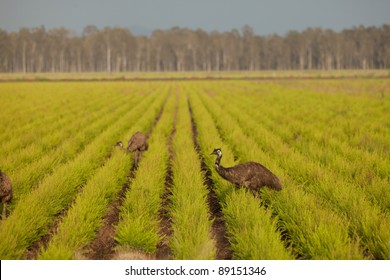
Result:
[179,49]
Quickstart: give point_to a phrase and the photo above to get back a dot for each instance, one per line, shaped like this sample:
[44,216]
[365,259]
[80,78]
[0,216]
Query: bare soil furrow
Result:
[33,251]
[103,246]
[163,250]
[224,251]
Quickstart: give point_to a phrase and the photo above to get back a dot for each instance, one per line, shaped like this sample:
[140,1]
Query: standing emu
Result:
[138,144]
[5,192]
[251,174]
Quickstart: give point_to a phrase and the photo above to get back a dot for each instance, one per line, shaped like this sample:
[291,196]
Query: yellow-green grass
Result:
[327,140]
[26,178]
[41,104]
[325,147]
[191,222]
[342,195]
[234,135]
[92,203]
[56,131]
[29,122]
[251,230]
[364,165]
[138,227]
[78,228]
[26,175]
[35,212]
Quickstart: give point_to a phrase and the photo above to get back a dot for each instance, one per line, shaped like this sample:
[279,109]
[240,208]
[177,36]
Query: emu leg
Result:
[4,210]
[256,193]
[136,158]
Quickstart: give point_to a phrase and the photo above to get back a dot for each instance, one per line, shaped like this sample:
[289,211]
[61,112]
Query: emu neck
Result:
[221,170]
[218,161]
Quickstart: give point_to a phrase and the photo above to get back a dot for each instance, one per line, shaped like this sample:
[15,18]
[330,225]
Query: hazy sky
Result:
[264,16]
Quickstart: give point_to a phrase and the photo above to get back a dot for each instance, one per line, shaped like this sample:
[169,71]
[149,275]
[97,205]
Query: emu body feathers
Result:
[5,192]
[138,144]
[251,175]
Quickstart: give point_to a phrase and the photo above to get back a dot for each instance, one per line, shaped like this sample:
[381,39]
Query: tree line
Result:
[182,49]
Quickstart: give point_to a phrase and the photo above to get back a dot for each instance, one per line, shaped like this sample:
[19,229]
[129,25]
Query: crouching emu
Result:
[251,175]
[5,192]
[138,144]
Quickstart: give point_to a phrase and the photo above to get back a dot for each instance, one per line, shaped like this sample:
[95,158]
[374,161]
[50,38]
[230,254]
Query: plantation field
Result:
[78,196]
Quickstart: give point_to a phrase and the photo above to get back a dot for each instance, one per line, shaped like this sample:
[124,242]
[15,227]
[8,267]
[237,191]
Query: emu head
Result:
[217,151]
[119,144]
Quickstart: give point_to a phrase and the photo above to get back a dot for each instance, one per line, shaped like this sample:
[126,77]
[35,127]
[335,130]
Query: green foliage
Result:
[189,210]
[327,140]
[252,233]
[335,192]
[139,221]
[78,227]
[36,211]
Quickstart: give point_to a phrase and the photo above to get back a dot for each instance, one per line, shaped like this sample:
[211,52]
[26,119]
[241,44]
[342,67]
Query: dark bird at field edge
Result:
[138,144]
[5,192]
[251,175]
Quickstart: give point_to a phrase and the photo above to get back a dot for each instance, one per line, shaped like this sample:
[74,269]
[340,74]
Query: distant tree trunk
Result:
[181,49]
[24,69]
[108,58]
[309,59]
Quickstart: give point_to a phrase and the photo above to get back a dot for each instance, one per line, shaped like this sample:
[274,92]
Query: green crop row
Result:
[358,123]
[35,212]
[191,222]
[39,120]
[34,101]
[138,227]
[332,242]
[26,179]
[357,167]
[54,134]
[65,101]
[251,230]
[350,200]
[373,232]
[353,119]
[57,144]
[362,88]
[92,203]
[79,226]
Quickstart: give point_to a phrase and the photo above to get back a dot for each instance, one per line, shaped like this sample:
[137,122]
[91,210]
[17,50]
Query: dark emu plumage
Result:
[251,175]
[138,143]
[5,192]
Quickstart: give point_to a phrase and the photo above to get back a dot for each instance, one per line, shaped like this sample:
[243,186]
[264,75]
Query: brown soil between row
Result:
[103,246]
[224,251]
